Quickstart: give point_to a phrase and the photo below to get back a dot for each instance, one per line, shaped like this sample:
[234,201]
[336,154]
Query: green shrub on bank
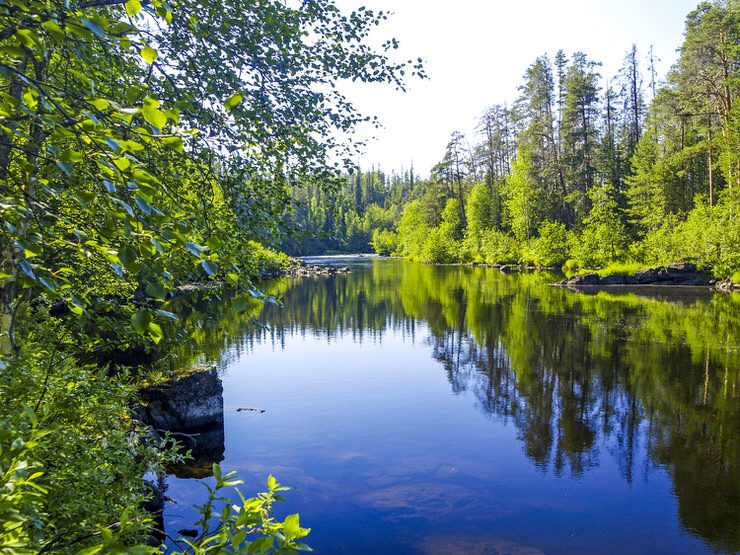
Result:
[550,248]
[385,242]
[500,248]
[709,237]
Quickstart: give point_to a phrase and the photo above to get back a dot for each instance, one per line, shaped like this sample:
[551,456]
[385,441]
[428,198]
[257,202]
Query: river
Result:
[424,409]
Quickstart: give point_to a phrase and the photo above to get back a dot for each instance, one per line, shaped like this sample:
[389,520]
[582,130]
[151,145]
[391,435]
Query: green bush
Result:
[500,248]
[385,242]
[550,248]
[439,247]
[709,237]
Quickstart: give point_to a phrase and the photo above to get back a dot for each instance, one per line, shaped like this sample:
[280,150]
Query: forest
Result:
[150,144]
[582,169]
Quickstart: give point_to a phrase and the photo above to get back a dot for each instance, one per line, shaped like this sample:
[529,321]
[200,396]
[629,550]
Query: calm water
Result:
[420,409]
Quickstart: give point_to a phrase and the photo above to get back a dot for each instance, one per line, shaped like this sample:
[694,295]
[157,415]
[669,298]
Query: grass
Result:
[620,269]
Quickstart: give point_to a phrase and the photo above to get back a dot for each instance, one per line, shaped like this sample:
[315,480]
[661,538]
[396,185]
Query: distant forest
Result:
[581,168]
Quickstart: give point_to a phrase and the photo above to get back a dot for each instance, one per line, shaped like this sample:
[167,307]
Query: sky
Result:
[476,52]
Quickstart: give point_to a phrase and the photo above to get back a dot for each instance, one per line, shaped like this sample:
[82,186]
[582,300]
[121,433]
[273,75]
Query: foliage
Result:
[550,247]
[709,236]
[523,200]
[619,269]
[385,242]
[245,527]
[500,248]
[624,179]
[604,237]
[144,145]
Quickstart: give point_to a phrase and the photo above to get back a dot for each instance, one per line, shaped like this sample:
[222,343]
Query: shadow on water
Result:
[649,378]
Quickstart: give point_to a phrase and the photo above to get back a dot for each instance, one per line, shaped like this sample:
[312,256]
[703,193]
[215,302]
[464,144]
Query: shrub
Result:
[551,247]
[385,242]
[500,248]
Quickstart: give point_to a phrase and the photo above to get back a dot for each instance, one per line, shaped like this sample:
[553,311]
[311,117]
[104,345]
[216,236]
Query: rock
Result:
[306,270]
[616,279]
[726,286]
[645,275]
[680,268]
[677,273]
[154,505]
[590,279]
[190,407]
[188,401]
[188,532]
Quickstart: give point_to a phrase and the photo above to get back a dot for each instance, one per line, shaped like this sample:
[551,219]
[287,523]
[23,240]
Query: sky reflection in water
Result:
[421,409]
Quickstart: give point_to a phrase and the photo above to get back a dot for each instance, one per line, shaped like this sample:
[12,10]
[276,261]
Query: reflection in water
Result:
[649,379]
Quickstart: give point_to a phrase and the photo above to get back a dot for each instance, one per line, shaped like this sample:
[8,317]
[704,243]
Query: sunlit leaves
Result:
[152,114]
[148,54]
[133,7]
[233,101]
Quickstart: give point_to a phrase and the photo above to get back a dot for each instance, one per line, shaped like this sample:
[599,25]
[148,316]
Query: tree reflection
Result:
[581,376]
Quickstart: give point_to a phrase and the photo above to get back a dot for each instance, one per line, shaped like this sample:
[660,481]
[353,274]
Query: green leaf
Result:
[157,245]
[152,114]
[126,206]
[156,290]
[233,101]
[292,527]
[167,314]
[143,205]
[93,26]
[155,332]
[210,267]
[127,256]
[53,29]
[49,284]
[141,320]
[66,168]
[148,54]
[100,103]
[76,305]
[27,269]
[27,38]
[194,249]
[133,7]
[122,163]
[30,249]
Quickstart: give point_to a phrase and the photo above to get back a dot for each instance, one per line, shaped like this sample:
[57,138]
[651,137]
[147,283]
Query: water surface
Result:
[422,409]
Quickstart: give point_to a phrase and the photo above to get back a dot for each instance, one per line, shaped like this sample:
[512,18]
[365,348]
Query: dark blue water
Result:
[447,410]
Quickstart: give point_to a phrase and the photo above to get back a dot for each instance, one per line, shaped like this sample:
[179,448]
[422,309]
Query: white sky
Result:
[477,51]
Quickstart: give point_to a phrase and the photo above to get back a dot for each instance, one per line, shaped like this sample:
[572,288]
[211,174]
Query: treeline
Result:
[343,219]
[593,171]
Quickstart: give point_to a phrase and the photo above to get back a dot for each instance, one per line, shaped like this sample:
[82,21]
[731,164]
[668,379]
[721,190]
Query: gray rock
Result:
[191,408]
[616,279]
[645,275]
[189,401]
[590,279]
[680,268]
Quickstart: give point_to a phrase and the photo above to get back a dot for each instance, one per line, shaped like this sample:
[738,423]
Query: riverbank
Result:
[674,274]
